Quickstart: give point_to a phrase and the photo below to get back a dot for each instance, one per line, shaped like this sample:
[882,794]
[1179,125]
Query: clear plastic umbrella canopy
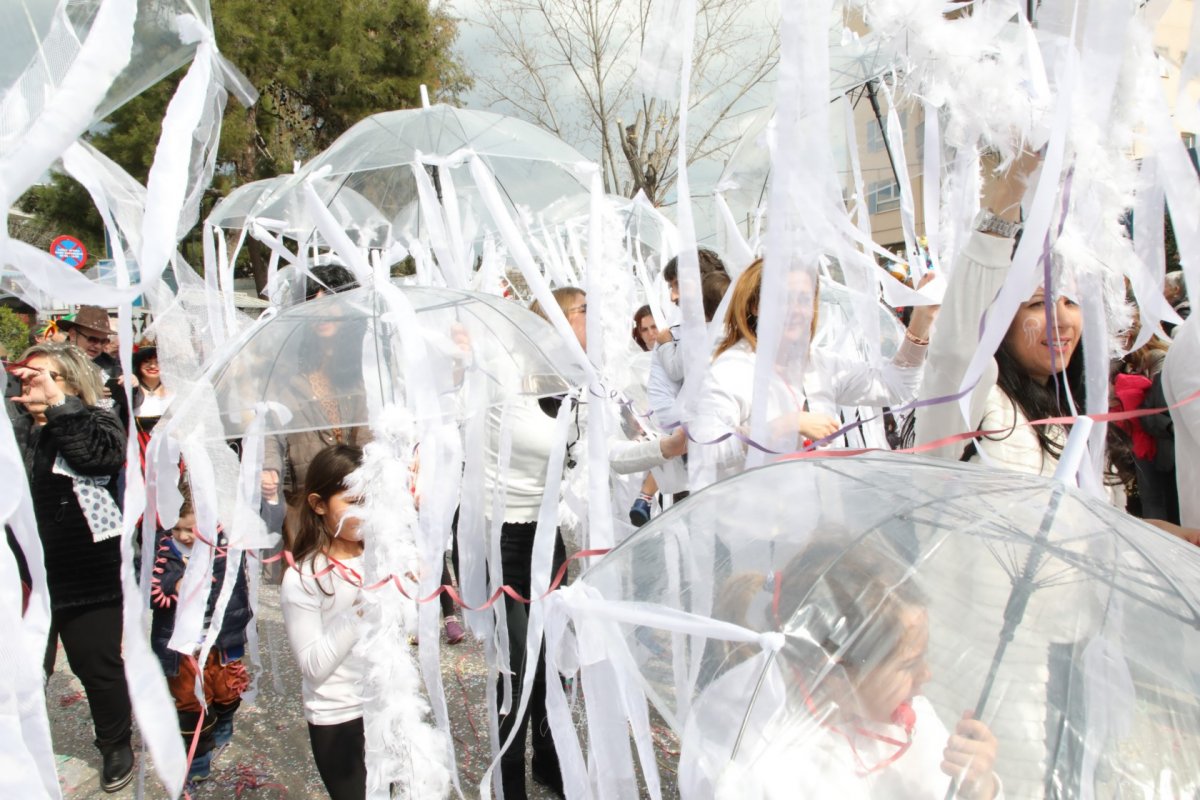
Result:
[842,328]
[331,360]
[375,158]
[236,209]
[743,182]
[276,204]
[874,599]
[42,38]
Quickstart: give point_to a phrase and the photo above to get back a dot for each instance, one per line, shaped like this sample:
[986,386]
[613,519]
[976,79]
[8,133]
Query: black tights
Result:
[340,753]
[516,551]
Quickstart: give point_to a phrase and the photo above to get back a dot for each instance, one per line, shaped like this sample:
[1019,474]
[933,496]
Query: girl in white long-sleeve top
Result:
[322,609]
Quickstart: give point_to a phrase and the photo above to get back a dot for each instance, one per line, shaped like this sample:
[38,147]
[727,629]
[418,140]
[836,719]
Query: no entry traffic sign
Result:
[70,251]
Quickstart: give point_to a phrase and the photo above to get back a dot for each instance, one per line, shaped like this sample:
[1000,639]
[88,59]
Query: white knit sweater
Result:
[323,626]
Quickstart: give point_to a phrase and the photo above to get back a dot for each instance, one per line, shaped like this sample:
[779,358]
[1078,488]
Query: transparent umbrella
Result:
[42,38]
[875,599]
[374,159]
[743,182]
[330,360]
[284,211]
[236,209]
[840,325]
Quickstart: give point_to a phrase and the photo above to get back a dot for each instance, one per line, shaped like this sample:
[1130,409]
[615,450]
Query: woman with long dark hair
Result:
[1037,373]
[1039,366]
[323,613]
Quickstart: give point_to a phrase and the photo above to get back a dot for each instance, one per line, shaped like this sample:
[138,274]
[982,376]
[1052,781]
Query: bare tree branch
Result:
[570,67]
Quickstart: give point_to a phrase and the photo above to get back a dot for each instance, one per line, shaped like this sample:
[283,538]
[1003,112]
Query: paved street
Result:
[269,756]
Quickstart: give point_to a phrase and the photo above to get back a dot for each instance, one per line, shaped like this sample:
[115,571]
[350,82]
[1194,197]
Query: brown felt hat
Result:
[92,320]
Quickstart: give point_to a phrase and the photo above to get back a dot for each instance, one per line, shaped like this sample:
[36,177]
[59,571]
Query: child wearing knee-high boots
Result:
[224,677]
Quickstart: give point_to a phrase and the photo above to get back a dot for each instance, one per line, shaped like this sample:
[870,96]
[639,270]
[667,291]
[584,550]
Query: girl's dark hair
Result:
[1039,401]
[847,602]
[836,603]
[638,316]
[712,291]
[326,477]
[708,260]
[185,491]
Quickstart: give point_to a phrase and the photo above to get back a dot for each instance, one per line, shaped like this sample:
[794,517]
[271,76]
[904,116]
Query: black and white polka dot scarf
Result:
[98,506]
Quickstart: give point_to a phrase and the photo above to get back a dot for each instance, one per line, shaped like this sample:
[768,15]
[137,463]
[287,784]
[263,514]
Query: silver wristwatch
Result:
[987,222]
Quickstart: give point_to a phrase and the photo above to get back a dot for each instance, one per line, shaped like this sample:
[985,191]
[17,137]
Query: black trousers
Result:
[516,550]
[91,637]
[340,753]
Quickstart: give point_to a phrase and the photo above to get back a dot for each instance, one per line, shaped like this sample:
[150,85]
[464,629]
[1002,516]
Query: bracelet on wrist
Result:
[914,339]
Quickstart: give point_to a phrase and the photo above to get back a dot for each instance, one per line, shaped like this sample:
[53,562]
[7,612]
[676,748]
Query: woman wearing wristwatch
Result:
[1037,373]
[73,451]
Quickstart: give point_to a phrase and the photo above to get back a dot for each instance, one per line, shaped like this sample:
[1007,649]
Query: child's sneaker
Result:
[639,515]
[454,631]
[222,732]
[201,767]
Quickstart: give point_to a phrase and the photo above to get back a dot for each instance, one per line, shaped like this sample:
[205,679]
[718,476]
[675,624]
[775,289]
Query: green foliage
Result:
[320,66]
[14,333]
[66,208]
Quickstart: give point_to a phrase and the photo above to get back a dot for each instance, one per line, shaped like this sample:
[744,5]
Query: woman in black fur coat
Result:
[73,452]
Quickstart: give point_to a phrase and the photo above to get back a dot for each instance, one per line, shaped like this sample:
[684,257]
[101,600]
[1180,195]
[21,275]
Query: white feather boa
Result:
[406,753]
[994,81]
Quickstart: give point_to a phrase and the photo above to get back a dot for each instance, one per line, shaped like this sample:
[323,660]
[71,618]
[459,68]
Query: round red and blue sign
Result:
[70,251]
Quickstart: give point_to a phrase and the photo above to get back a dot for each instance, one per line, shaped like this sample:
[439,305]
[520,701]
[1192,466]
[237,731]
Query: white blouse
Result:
[323,626]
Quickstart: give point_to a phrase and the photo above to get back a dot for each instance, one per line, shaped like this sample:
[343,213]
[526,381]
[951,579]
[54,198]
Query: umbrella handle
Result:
[1014,610]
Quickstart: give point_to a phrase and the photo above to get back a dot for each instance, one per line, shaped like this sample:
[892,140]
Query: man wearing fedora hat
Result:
[89,330]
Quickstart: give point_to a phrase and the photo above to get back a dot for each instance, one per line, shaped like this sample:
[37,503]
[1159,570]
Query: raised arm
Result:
[980,270]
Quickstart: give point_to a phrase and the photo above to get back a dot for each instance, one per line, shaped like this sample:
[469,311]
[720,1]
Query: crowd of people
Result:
[70,416]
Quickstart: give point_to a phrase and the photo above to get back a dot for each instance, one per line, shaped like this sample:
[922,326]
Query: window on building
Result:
[883,196]
[874,137]
[875,134]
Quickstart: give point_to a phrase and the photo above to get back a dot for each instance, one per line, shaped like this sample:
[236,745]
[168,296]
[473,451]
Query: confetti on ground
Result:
[269,757]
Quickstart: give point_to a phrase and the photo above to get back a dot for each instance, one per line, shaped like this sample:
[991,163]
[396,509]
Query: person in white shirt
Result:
[800,407]
[666,365]
[322,604]
[531,426]
[838,713]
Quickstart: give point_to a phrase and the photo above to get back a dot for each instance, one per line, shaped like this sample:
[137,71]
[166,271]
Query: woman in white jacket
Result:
[802,407]
[516,492]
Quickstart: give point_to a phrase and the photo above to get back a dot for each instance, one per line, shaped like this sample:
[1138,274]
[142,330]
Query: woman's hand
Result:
[38,387]
[808,425]
[674,445]
[816,426]
[1002,191]
[923,316]
[970,759]
[1189,535]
